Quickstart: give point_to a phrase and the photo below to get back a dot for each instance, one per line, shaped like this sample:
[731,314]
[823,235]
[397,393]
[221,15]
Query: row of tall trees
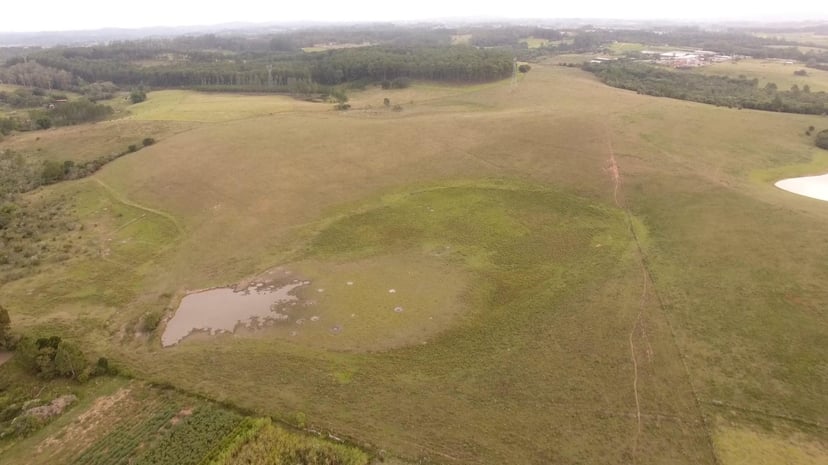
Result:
[33,74]
[280,71]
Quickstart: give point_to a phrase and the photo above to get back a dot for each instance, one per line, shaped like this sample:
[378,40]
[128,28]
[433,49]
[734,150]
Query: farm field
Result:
[118,421]
[820,40]
[177,105]
[586,275]
[332,46]
[535,42]
[620,48]
[776,72]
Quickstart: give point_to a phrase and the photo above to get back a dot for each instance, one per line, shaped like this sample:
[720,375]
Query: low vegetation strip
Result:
[714,90]
[272,445]
[193,438]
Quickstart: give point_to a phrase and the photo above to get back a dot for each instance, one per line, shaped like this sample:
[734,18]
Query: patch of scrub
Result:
[815,187]
[741,446]
[223,309]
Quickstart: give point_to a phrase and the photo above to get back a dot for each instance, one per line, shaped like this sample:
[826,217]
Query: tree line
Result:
[714,90]
[70,68]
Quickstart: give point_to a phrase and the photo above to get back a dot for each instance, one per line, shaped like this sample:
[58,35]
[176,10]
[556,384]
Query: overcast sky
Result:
[92,14]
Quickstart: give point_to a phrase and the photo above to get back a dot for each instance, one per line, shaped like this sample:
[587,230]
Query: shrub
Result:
[53,171]
[43,123]
[148,141]
[524,68]
[79,111]
[822,139]
[151,321]
[137,95]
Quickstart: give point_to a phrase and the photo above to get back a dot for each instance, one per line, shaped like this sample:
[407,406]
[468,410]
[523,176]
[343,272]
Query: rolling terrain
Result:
[588,275]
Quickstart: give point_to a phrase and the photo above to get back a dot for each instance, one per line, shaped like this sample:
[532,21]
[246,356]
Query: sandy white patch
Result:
[815,187]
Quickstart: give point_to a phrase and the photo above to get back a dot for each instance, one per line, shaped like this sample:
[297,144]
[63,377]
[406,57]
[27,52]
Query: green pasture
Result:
[536,328]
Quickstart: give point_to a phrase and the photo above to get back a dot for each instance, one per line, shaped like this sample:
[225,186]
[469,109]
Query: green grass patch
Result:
[183,105]
[771,71]
[272,445]
[535,42]
[745,446]
[108,246]
[816,166]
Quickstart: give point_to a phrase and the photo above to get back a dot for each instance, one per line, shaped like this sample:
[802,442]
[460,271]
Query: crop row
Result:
[123,443]
[194,439]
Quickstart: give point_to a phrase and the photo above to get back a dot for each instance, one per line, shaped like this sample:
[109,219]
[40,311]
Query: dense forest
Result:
[72,68]
[714,90]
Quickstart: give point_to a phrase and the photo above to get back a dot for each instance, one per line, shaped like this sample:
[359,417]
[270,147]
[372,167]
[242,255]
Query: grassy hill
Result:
[588,275]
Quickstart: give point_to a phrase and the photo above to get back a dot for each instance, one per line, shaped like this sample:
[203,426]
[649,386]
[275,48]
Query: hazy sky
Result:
[88,14]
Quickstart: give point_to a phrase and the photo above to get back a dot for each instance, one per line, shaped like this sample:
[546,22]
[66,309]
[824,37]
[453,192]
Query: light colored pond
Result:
[223,309]
[815,187]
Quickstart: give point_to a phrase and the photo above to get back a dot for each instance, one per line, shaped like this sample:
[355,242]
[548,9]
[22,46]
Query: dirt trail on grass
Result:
[118,197]
[648,288]
[615,174]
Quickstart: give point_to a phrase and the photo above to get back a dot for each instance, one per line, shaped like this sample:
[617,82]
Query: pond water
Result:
[221,310]
[815,187]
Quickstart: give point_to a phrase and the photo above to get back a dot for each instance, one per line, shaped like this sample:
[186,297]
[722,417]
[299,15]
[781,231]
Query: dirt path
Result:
[648,288]
[615,174]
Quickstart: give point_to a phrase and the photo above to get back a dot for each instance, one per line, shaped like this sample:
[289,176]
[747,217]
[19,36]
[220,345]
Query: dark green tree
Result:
[53,171]
[43,123]
[822,139]
[69,360]
[137,95]
[26,354]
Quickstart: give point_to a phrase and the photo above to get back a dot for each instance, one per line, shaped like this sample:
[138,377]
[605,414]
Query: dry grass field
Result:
[87,142]
[588,275]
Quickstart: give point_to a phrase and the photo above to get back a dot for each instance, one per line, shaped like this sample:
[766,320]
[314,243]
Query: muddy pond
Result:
[223,309]
[815,187]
